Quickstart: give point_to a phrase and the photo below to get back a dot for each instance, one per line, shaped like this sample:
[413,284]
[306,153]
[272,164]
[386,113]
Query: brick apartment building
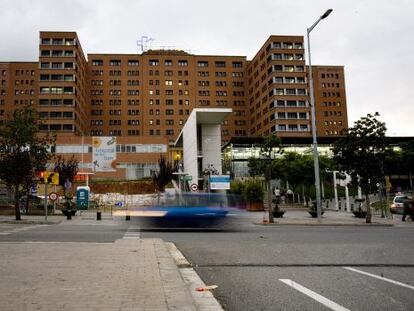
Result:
[139,96]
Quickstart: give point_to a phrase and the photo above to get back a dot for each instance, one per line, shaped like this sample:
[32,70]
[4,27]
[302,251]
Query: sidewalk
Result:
[300,216]
[130,274]
[53,219]
[31,219]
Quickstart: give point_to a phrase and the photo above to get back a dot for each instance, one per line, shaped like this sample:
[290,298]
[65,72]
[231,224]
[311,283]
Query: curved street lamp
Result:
[312,99]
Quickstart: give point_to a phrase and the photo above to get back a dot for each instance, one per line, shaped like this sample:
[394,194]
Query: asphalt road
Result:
[274,268]
[251,264]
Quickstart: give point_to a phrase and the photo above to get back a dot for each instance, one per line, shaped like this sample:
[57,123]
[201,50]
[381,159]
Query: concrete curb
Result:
[324,224]
[205,300]
[30,222]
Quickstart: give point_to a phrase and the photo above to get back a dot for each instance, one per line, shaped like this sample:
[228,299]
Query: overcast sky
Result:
[373,39]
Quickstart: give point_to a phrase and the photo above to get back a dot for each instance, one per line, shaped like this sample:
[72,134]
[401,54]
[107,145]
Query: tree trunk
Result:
[16,203]
[369,214]
[27,201]
[269,198]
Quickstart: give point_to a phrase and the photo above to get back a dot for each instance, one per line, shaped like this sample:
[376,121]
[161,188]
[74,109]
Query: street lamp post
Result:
[312,99]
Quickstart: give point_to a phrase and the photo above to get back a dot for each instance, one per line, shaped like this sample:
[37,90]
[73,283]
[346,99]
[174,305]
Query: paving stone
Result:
[125,275]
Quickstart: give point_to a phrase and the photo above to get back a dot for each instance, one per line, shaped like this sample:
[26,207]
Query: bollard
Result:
[98,215]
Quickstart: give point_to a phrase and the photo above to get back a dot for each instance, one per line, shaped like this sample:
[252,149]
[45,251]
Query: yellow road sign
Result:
[51,178]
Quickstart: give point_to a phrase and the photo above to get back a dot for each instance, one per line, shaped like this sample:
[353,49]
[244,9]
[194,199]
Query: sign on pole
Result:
[104,154]
[53,196]
[194,187]
[219,182]
[51,178]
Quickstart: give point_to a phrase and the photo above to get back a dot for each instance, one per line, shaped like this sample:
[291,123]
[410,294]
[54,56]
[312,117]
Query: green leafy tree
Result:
[291,167]
[297,169]
[265,165]
[23,152]
[361,154]
[408,159]
[163,176]
[67,170]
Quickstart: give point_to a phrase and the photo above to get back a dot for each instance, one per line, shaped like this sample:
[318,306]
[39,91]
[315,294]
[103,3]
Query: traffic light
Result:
[41,175]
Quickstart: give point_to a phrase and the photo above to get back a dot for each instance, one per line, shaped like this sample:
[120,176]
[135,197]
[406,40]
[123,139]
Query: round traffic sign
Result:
[53,196]
[194,187]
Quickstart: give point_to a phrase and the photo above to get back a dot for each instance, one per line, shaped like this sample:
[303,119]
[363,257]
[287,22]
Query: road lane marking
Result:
[319,298]
[380,277]
[132,233]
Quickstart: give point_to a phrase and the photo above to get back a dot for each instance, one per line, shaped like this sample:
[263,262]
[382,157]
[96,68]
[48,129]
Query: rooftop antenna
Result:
[142,43]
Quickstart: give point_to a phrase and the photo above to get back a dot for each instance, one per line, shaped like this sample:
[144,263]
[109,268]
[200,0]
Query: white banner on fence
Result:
[104,154]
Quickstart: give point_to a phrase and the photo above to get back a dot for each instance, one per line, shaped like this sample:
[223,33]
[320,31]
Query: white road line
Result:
[325,301]
[132,233]
[380,278]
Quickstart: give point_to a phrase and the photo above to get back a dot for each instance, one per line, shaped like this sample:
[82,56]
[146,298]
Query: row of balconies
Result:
[60,41]
[289,116]
[57,53]
[57,65]
[286,68]
[289,92]
[287,80]
[290,128]
[288,103]
[286,45]
[287,57]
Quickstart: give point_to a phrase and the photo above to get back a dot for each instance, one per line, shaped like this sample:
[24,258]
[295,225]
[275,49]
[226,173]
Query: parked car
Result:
[397,206]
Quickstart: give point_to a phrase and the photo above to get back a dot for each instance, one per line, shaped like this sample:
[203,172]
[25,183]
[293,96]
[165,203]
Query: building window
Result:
[114,62]
[203,73]
[182,63]
[202,64]
[154,62]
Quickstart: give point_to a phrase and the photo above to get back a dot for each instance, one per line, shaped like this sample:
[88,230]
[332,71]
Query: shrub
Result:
[253,191]
[237,187]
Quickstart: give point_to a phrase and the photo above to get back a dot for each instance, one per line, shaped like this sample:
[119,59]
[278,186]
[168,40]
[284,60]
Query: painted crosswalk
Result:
[132,233]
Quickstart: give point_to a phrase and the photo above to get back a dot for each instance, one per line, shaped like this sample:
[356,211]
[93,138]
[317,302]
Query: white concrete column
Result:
[348,205]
